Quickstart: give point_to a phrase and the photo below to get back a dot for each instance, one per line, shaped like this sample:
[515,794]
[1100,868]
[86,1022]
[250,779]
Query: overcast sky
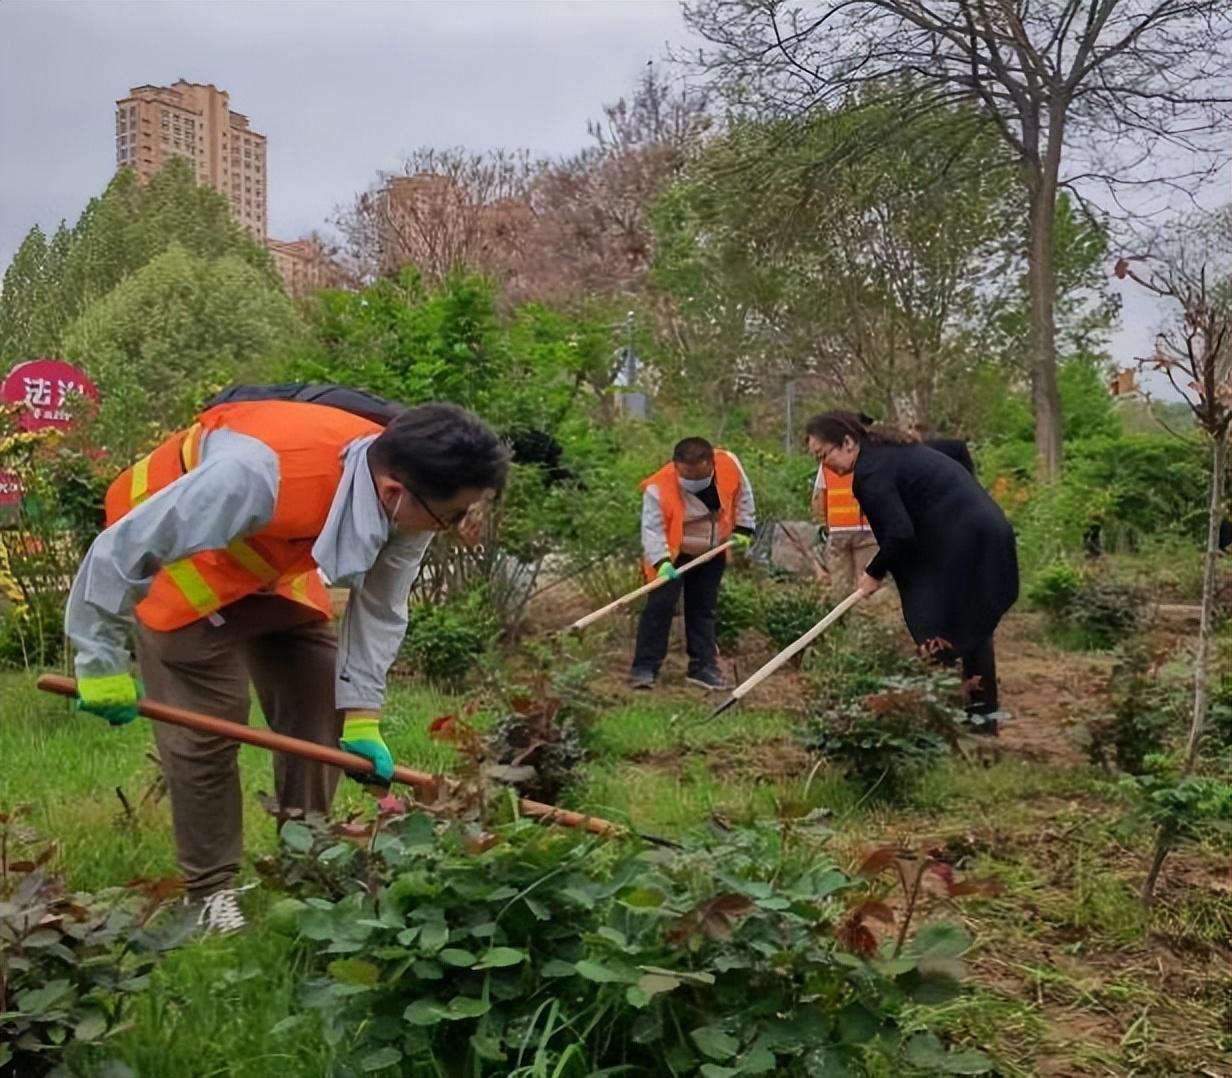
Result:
[341,89]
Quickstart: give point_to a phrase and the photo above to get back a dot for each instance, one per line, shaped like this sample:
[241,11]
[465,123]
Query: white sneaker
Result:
[220,912]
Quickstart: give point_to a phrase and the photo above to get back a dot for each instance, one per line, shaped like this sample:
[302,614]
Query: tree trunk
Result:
[1202,661]
[1041,291]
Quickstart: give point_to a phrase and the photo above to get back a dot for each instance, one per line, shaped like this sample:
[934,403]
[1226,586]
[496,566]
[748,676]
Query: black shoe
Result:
[643,680]
[709,679]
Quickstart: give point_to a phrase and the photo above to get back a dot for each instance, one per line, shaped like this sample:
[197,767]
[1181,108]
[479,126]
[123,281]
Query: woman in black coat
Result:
[944,540]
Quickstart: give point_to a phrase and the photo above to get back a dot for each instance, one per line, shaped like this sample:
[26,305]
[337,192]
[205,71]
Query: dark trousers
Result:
[979,672]
[701,601]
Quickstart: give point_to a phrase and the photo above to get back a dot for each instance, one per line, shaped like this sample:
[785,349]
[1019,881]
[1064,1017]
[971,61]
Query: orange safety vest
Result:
[842,510]
[309,440]
[727,479]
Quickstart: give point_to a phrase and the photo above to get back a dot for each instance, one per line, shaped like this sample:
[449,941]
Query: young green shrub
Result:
[1141,710]
[1181,807]
[526,950]
[739,608]
[1087,611]
[790,610]
[886,740]
[852,659]
[69,963]
[444,640]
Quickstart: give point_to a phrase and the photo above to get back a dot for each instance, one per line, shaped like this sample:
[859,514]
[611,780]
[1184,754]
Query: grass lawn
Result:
[1069,976]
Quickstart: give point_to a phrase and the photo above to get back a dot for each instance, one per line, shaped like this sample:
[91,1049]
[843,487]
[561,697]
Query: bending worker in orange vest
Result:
[214,542]
[696,501]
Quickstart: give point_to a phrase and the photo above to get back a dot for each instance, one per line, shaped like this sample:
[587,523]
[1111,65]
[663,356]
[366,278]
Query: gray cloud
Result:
[340,89]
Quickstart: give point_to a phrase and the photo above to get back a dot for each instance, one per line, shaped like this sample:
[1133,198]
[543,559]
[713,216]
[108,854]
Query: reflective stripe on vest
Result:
[309,441]
[727,480]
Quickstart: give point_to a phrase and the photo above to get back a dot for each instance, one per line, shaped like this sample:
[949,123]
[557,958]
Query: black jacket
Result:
[947,544]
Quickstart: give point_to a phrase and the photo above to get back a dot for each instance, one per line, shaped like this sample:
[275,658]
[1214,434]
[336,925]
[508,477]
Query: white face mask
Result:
[696,486]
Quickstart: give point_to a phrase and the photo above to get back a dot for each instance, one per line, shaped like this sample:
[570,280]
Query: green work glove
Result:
[113,697]
[668,571]
[361,734]
[741,542]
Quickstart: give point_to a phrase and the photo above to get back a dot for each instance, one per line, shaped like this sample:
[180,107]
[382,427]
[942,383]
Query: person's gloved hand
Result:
[361,734]
[668,571]
[112,697]
[741,542]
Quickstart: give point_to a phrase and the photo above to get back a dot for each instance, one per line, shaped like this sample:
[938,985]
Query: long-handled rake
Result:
[425,785]
[794,648]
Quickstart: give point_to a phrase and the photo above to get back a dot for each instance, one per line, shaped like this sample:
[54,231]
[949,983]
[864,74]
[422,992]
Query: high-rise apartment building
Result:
[195,122]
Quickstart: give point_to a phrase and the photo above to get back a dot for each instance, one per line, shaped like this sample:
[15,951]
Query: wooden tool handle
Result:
[637,593]
[424,784]
[796,646]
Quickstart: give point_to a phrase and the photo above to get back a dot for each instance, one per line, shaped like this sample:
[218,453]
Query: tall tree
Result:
[871,278]
[118,233]
[1053,76]
[178,329]
[445,211]
[23,283]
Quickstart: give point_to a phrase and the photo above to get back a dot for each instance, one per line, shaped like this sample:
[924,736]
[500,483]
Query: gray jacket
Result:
[230,494]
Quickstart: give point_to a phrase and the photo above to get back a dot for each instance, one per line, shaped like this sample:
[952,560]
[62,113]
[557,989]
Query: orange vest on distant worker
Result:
[842,509]
[309,440]
[727,480]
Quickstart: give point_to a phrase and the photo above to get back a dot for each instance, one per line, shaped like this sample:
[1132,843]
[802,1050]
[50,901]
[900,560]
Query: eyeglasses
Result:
[822,455]
[455,518]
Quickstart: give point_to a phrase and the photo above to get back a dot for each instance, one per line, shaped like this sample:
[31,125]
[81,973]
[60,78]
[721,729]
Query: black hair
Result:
[833,427]
[437,449]
[693,451]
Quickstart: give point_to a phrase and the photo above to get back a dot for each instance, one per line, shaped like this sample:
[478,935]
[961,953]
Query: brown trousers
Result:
[289,656]
[847,556]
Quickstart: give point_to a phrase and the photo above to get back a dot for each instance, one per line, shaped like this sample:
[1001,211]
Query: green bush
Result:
[1086,610]
[533,951]
[1141,711]
[443,640]
[885,741]
[1136,488]
[739,608]
[32,635]
[69,963]
[790,610]
[852,659]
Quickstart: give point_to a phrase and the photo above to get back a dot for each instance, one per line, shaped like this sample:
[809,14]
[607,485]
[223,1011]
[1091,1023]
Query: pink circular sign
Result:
[46,390]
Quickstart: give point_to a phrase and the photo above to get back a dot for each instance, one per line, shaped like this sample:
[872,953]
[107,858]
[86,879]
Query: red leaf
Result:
[391,805]
[1121,269]
[944,872]
[442,728]
[878,911]
[857,937]
[878,861]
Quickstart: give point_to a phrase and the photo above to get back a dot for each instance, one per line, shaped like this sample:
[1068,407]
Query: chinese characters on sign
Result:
[47,393]
[47,389]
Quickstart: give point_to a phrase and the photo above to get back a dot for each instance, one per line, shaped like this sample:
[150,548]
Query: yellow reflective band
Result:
[188,451]
[251,560]
[140,488]
[201,597]
[299,589]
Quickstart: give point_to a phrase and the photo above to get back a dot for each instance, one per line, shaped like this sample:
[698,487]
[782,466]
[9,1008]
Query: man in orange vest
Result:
[216,544]
[850,544]
[698,500]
